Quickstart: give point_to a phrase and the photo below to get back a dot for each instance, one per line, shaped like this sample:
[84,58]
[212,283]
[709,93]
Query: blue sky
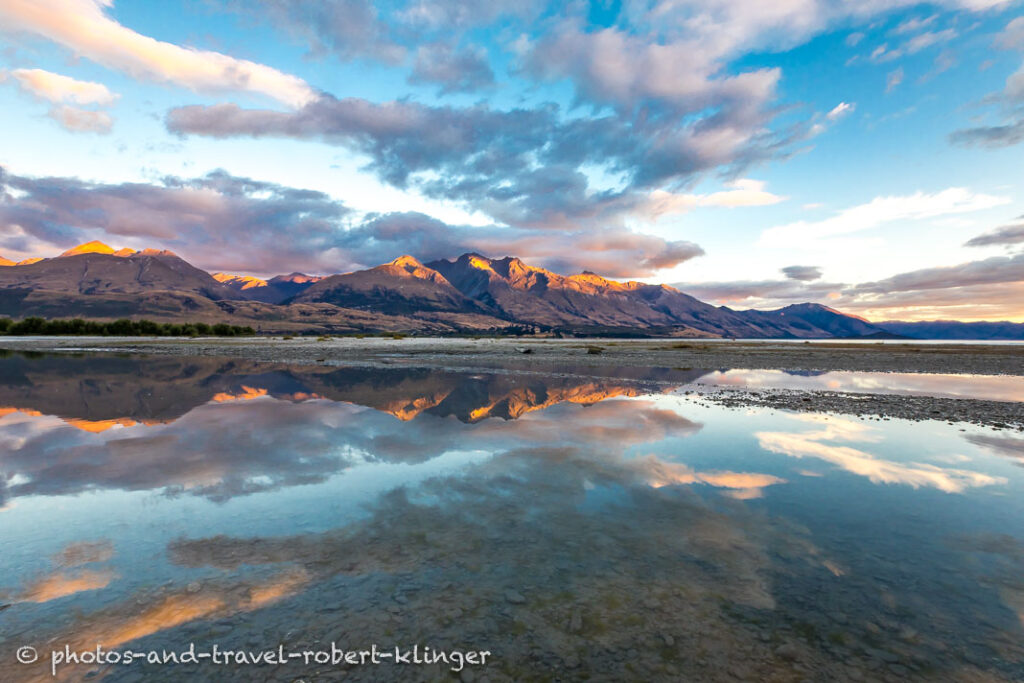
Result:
[709,143]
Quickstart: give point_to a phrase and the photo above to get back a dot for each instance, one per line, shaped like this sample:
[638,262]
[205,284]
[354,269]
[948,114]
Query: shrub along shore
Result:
[119,328]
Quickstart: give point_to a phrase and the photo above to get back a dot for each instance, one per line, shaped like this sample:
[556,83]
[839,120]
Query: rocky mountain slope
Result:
[471,292]
[403,286]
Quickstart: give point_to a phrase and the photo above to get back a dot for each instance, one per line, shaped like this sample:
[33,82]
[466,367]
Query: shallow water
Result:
[984,387]
[575,528]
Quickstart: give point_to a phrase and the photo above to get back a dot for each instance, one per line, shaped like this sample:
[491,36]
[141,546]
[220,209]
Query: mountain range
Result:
[471,293]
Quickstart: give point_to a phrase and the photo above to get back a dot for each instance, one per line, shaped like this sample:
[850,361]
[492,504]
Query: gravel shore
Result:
[1003,415]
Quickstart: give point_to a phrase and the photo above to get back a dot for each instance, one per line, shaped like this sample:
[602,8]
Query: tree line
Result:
[120,328]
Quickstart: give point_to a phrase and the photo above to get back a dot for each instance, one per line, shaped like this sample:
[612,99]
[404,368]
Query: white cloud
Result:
[893,79]
[877,212]
[882,53]
[58,88]
[83,27]
[81,120]
[64,92]
[915,24]
[1012,37]
[742,193]
[1015,85]
[925,40]
[840,110]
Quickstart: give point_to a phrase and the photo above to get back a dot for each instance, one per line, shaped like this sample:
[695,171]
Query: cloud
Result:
[761,294]
[840,110]
[446,15]
[1006,235]
[803,273]
[523,167]
[744,192]
[361,29]
[995,270]
[57,88]
[662,100]
[613,252]
[926,40]
[883,53]
[61,90]
[1000,301]
[1010,100]
[83,27]
[987,289]
[879,211]
[992,137]
[943,62]
[81,120]
[228,223]
[613,67]
[1012,37]
[915,24]
[223,220]
[454,71]
[347,29]
[893,79]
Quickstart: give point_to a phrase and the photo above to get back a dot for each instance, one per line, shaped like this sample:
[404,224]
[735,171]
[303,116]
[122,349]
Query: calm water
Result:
[985,387]
[577,529]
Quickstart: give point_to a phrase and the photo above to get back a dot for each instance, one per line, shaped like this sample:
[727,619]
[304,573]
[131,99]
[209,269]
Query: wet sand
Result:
[602,358]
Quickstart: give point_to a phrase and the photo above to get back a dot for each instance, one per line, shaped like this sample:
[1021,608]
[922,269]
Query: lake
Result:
[570,527]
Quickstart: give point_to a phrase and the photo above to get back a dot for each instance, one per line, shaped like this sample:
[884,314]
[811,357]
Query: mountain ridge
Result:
[470,292]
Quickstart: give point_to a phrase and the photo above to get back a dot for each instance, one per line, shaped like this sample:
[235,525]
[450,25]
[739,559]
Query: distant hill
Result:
[471,293]
[954,329]
[815,318]
[273,291]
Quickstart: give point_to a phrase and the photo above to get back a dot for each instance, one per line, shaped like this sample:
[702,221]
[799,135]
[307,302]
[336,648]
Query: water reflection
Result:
[985,387]
[827,441]
[1009,446]
[312,423]
[579,528]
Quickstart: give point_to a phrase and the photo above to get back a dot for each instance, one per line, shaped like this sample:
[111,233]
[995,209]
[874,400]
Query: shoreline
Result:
[554,354]
[661,361]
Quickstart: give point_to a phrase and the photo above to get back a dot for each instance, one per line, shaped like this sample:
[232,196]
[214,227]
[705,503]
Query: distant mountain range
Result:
[954,329]
[471,293]
[273,291]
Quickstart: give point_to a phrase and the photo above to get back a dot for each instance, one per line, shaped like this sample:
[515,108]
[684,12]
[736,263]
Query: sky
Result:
[865,155]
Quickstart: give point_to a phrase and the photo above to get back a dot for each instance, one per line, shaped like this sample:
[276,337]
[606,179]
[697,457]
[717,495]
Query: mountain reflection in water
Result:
[578,528]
